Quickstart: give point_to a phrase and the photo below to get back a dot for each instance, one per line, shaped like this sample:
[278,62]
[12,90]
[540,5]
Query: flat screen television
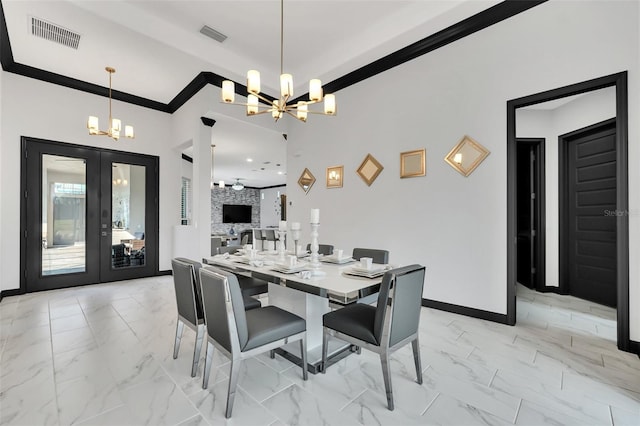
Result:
[236,213]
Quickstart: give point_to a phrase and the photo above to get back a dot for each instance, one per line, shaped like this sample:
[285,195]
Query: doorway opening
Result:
[530,211]
[619,84]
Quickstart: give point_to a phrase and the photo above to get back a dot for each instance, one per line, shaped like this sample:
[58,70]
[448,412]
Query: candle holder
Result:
[295,234]
[282,235]
[315,263]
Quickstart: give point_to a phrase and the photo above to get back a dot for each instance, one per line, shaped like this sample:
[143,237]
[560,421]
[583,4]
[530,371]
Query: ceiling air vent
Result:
[210,32]
[55,33]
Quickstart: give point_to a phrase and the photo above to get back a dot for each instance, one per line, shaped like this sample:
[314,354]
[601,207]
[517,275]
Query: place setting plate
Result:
[334,259]
[286,269]
[374,272]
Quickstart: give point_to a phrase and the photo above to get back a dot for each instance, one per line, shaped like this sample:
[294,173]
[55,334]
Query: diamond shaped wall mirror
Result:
[466,156]
[369,169]
[306,180]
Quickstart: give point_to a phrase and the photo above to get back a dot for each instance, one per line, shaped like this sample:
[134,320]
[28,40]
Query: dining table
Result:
[308,290]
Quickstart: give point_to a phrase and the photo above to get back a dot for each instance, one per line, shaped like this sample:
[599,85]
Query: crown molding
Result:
[475,23]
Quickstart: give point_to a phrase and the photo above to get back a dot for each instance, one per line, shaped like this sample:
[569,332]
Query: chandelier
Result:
[278,107]
[238,186]
[114,124]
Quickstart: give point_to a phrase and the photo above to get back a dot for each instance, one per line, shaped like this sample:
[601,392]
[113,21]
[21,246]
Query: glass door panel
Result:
[128,184]
[64,205]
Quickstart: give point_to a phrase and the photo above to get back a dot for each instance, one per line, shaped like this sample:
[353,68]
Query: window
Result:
[185,202]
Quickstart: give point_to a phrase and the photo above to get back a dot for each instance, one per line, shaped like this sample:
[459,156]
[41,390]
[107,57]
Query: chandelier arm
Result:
[318,112]
[262,98]
[294,115]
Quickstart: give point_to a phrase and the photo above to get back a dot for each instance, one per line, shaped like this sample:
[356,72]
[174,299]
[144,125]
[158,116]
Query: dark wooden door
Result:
[590,231]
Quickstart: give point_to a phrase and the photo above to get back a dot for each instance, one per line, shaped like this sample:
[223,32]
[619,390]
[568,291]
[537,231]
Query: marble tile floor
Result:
[102,355]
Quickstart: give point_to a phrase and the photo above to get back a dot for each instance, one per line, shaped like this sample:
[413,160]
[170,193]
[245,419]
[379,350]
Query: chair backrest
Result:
[257,234]
[378,256]
[245,239]
[270,234]
[215,243]
[188,297]
[224,311]
[325,249]
[399,302]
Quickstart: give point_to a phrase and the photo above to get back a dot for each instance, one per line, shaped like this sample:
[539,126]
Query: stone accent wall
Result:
[247,196]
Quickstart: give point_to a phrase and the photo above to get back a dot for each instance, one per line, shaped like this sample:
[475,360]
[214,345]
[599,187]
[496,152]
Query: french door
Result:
[87,215]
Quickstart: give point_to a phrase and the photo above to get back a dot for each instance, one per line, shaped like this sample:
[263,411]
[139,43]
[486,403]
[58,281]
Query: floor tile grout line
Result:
[515,418]
[53,365]
[430,404]
[611,415]
[353,399]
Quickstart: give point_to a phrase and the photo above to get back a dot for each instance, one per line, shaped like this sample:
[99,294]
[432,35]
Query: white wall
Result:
[269,199]
[456,226]
[581,112]
[42,110]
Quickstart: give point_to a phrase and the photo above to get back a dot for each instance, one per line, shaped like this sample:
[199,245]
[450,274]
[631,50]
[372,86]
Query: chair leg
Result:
[416,359]
[208,359]
[386,374]
[325,341]
[272,353]
[176,345]
[233,384]
[303,355]
[198,349]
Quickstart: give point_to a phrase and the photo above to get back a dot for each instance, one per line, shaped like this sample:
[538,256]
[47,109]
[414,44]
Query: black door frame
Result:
[94,190]
[541,223]
[563,204]
[619,81]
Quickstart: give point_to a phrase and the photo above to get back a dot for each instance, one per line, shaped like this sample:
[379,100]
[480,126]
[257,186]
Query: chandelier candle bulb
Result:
[252,104]
[283,225]
[92,125]
[286,85]
[301,113]
[295,226]
[330,104]
[315,216]
[253,81]
[128,132]
[275,111]
[228,91]
[457,158]
[315,90]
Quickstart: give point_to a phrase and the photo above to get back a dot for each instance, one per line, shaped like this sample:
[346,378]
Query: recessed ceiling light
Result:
[280,173]
[249,160]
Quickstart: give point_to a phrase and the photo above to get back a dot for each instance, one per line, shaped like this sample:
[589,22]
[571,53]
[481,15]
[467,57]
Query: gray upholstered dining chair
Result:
[384,328]
[228,249]
[239,334]
[378,256]
[186,281]
[325,249]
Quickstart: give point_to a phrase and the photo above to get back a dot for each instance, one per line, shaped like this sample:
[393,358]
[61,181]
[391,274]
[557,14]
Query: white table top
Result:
[333,284]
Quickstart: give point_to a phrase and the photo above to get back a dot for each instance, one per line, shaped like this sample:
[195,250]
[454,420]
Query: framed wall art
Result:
[369,169]
[413,163]
[334,176]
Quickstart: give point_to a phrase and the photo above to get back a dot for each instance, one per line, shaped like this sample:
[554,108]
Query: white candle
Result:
[315,215]
[283,225]
[295,226]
